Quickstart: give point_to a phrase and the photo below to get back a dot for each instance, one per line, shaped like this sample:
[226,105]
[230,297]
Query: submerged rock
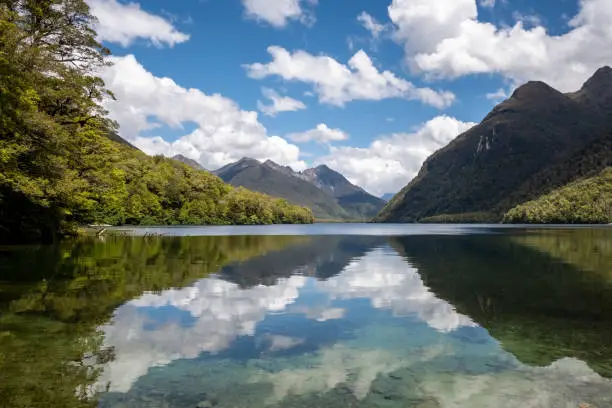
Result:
[429,403]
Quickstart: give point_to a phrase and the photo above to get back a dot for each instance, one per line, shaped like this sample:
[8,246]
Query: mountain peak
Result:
[604,71]
[534,90]
[601,79]
[597,91]
[190,162]
[271,163]
[248,161]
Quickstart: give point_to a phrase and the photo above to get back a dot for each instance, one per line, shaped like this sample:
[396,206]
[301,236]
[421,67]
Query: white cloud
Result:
[527,19]
[444,38]
[390,162]
[224,132]
[388,281]
[336,83]
[279,103]
[124,23]
[498,95]
[371,24]
[487,3]
[278,12]
[321,134]
[221,310]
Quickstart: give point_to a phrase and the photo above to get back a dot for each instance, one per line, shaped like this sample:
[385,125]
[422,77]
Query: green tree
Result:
[61,163]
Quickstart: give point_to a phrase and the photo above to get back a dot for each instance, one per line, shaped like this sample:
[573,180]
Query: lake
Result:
[326,315]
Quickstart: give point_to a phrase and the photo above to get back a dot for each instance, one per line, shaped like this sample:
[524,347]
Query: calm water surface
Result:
[329,315]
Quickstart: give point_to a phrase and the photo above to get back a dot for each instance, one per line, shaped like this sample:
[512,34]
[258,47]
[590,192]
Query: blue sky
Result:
[369,87]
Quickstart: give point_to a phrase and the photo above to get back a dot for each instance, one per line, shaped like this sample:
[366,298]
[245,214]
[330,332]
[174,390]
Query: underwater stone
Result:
[430,403]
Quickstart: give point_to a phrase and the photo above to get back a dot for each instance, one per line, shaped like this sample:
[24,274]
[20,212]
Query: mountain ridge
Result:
[509,157]
[190,162]
[328,193]
[265,178]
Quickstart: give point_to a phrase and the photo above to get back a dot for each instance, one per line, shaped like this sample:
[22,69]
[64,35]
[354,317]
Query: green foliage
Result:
[587,201]
[59,166]
[463,218]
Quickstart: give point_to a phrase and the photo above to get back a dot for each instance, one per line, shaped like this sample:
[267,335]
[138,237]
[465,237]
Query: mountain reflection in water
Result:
[512,318]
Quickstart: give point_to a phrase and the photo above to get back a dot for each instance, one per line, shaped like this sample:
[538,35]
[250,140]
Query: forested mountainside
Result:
[529,145]
[61,162]
[328,193]
[587,201]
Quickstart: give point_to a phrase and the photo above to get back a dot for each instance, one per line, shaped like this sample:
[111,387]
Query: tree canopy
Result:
[587,201]
[58,165]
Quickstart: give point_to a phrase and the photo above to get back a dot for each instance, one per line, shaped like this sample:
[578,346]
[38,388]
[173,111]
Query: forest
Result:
[62,164]
[587,201]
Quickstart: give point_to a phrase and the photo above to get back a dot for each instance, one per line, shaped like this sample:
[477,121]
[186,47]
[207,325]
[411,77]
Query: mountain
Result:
[537,140]
[355,200]
[328,193]
[269,179]
[190,162]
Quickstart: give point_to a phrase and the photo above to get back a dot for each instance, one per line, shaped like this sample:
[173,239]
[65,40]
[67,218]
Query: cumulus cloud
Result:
[224,132]
[444,38]
[278,13]
[391,161]
[336,83]
[279,103]
[124,23]
[320,134]
[389,282]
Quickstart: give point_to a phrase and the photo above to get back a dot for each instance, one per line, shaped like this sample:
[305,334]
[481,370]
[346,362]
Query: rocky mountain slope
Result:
[537,140]
[329,194]
[190,162]
[354,199]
